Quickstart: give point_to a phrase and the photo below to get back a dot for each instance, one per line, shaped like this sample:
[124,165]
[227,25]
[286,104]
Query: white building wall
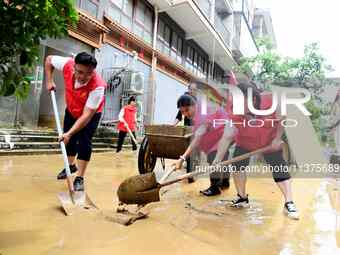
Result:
[168,90]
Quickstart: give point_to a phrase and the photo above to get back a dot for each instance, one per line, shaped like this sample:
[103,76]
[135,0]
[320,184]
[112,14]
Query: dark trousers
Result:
[81,142]
[217,178]
[274,159]
[121,137]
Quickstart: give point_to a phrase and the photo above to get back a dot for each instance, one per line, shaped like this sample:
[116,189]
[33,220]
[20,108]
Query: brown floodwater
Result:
[182,223]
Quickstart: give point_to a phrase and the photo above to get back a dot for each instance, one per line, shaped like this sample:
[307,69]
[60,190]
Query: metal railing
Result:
[223,31]
[205,6]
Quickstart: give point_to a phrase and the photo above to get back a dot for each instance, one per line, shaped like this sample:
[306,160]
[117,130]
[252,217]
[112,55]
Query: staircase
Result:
[34,142]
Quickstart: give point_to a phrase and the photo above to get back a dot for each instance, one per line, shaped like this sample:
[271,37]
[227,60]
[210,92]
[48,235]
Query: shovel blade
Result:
[79,201]
[139,189]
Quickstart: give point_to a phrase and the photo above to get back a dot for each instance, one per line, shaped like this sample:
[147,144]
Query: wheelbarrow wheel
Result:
[146,160]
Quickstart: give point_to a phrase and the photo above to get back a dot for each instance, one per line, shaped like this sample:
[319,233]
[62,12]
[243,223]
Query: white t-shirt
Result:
[95,97]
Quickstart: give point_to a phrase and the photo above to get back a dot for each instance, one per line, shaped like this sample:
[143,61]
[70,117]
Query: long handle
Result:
[130,133]
[227,162]
[62,144]
[167,174]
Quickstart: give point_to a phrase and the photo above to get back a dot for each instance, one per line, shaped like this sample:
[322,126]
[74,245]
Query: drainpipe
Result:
[213,60]
[152,85]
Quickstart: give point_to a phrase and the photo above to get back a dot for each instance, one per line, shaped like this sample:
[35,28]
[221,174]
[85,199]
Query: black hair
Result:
[243,86]
[185,100]
[132,99]
[86,59]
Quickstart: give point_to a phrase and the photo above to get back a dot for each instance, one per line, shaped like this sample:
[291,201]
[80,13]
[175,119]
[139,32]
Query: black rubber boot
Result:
[213,190]
[225,184]
[62,174]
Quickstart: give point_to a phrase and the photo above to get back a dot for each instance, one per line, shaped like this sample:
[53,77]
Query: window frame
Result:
[79,4]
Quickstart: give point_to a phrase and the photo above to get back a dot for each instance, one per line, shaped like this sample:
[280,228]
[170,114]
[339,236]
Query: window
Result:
[169,41]
[179,49]
[164,35]
[121,11]
[218,73]
[196,62]
[142,25]
[190,58]
[89,6]
[176,47]
[160,36]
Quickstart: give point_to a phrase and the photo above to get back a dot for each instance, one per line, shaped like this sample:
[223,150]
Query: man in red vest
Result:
[250,137]
[84,96]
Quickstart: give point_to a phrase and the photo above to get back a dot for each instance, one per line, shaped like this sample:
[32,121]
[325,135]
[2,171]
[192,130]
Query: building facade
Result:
[263,25]
[177,41]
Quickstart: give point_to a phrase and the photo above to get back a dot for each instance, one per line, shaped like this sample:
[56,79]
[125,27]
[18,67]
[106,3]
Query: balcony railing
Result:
[244,42]
[223,31]
[205,6]
[89,6]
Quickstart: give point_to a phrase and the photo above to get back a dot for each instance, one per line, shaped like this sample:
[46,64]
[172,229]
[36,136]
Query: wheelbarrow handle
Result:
[227,162]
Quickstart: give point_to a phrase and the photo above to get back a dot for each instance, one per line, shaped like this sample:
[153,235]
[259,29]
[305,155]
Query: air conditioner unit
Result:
[133,82]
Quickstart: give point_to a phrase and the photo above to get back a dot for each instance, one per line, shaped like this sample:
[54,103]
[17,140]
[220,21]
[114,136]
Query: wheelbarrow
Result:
[163,142]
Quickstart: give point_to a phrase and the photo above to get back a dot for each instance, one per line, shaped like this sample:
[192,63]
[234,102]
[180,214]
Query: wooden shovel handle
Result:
[167,174]
[227,162]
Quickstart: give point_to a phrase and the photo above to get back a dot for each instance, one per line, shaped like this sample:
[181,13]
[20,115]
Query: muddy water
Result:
[182,223]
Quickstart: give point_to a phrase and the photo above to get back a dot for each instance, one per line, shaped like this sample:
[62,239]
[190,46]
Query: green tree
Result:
[309,71]
[269,67]
[23,24]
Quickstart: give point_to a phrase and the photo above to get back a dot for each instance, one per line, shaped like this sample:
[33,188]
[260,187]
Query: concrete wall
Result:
[7,111]
[168,90]
[63,47]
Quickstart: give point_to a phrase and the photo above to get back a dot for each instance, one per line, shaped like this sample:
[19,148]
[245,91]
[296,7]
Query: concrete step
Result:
[44,141]
[32,132]
[48,138]
[50,132]
[45,151]
[42,145]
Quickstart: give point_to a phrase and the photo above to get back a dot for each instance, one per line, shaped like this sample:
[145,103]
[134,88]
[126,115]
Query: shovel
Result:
[71,200]
[130,133]
[144,189]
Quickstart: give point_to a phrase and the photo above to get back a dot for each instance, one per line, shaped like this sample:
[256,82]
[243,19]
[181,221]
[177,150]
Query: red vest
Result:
[252,138]
[209,141]
[129,117]
[76,98]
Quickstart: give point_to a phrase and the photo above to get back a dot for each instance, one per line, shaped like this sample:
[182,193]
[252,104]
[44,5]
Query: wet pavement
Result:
[182,223]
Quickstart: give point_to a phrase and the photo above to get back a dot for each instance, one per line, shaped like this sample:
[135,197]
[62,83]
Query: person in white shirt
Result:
[84,95]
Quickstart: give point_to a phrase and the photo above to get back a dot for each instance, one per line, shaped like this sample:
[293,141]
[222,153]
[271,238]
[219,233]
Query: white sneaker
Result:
[291,211]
